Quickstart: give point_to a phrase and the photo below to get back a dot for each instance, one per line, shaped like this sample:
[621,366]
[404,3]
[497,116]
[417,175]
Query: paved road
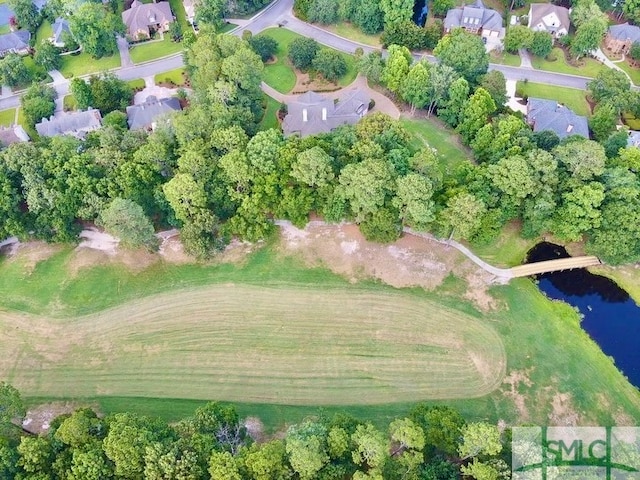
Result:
[279,12]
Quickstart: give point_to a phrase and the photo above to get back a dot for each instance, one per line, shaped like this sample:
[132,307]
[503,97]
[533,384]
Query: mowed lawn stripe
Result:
[281,344]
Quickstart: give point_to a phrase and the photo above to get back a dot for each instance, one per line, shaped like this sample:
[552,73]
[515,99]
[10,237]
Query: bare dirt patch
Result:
[512,391]
[39,418]
[411,261]
[563,411]
[32,253]
[255,429]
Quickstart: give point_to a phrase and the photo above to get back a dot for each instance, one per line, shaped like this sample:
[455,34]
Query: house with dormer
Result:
[545,114]
[144,19]
[313,113]
[547,17]
[475,18]
[619,38]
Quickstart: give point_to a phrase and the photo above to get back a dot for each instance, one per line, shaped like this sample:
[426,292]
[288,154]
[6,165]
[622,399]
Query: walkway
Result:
[601,57]
[123,49]
[525,58]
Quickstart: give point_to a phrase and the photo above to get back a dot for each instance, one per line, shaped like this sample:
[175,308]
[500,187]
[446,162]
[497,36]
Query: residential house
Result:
[551,115]
[313,113]
[14,134]
[475,18]
[634,139]
[60,26]
[619,38]
[145,115]
[15,42]
[77,124]
[547,17]
[143,19]
[190,10]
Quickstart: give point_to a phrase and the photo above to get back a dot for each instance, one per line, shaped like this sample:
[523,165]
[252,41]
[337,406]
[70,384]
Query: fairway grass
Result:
[289,345]
[284,339]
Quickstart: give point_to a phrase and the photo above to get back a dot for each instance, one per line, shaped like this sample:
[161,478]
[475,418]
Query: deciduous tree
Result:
[541,44]
[517,37]
[463,52]
[95,29]
[330,64]
[302,51]
[47,56]
[126,220]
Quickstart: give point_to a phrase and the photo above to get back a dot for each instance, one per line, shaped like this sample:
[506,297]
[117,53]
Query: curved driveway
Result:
[280,12]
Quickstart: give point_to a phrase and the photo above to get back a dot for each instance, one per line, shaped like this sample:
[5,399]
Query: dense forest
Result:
[429,443]
[211,173]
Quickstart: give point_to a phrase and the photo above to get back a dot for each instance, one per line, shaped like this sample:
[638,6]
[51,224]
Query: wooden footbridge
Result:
[553,266]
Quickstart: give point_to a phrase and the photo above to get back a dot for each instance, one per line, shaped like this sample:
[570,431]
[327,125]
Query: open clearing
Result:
[247,343]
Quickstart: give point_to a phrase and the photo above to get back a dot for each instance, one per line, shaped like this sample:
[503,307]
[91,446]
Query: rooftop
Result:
[545,114]
[144,114]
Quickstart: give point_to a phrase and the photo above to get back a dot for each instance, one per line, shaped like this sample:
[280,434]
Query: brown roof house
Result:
[77,124]
[143,19]
[546,17]
[475,18]
[313,113]
[550,115]
[619,38]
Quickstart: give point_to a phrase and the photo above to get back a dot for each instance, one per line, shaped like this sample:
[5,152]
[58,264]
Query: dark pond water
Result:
[611,317]
[420,10]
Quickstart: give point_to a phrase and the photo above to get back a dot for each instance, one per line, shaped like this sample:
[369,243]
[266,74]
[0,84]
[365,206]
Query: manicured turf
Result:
[147,51]
[183,343]
[633,72]
[432,133]
[84,64]
[137,84]
[347,30]
[177,7]
[174,76]
[555,62]
[269,120]
[44,32]
[7,117]
[571,97]
[504,58]
[280,74]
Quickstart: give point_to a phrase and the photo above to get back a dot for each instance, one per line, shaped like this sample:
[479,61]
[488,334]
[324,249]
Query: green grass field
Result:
[555,62]
[137,84]
[84,64]
[269,119]
[43,32]
[174,76]
[571,97]
[347,30]
[430,132]
[280,74]
[305,338]
[504,58]
[7,117]
[147,51]
[633,72]
[508,249]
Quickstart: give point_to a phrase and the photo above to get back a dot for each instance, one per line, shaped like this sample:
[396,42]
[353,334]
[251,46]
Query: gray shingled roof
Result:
[17,40]
[14,134]
[473,16]
[312,113]
[550,115]
[70,123]
[538,11]
[59,27]
[144,114]
[142,15]
[625,32]
[634,138]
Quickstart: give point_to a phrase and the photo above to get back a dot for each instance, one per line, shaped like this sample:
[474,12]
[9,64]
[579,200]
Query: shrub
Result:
[541,44]
[330,64]
[264,46]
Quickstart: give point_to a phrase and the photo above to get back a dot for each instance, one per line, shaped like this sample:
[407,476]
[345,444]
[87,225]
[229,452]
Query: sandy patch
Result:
[32,253]
[38,419]
[94,239]
[411,261]
[563,412]
[513,381]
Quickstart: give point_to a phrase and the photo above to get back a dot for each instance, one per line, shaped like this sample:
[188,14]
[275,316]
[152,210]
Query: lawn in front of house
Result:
[137,84]
[633,72]
[269,119]
[350,31]
[571,97]
[7,117]
[44,32]
[84,64]
[172,76]
[504,58]
[147,51]
[556,62]
[280,73]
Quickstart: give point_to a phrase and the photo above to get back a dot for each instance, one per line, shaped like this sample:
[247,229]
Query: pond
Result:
[611,317]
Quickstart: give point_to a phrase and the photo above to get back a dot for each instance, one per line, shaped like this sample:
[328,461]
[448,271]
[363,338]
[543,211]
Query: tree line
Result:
[431,442]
